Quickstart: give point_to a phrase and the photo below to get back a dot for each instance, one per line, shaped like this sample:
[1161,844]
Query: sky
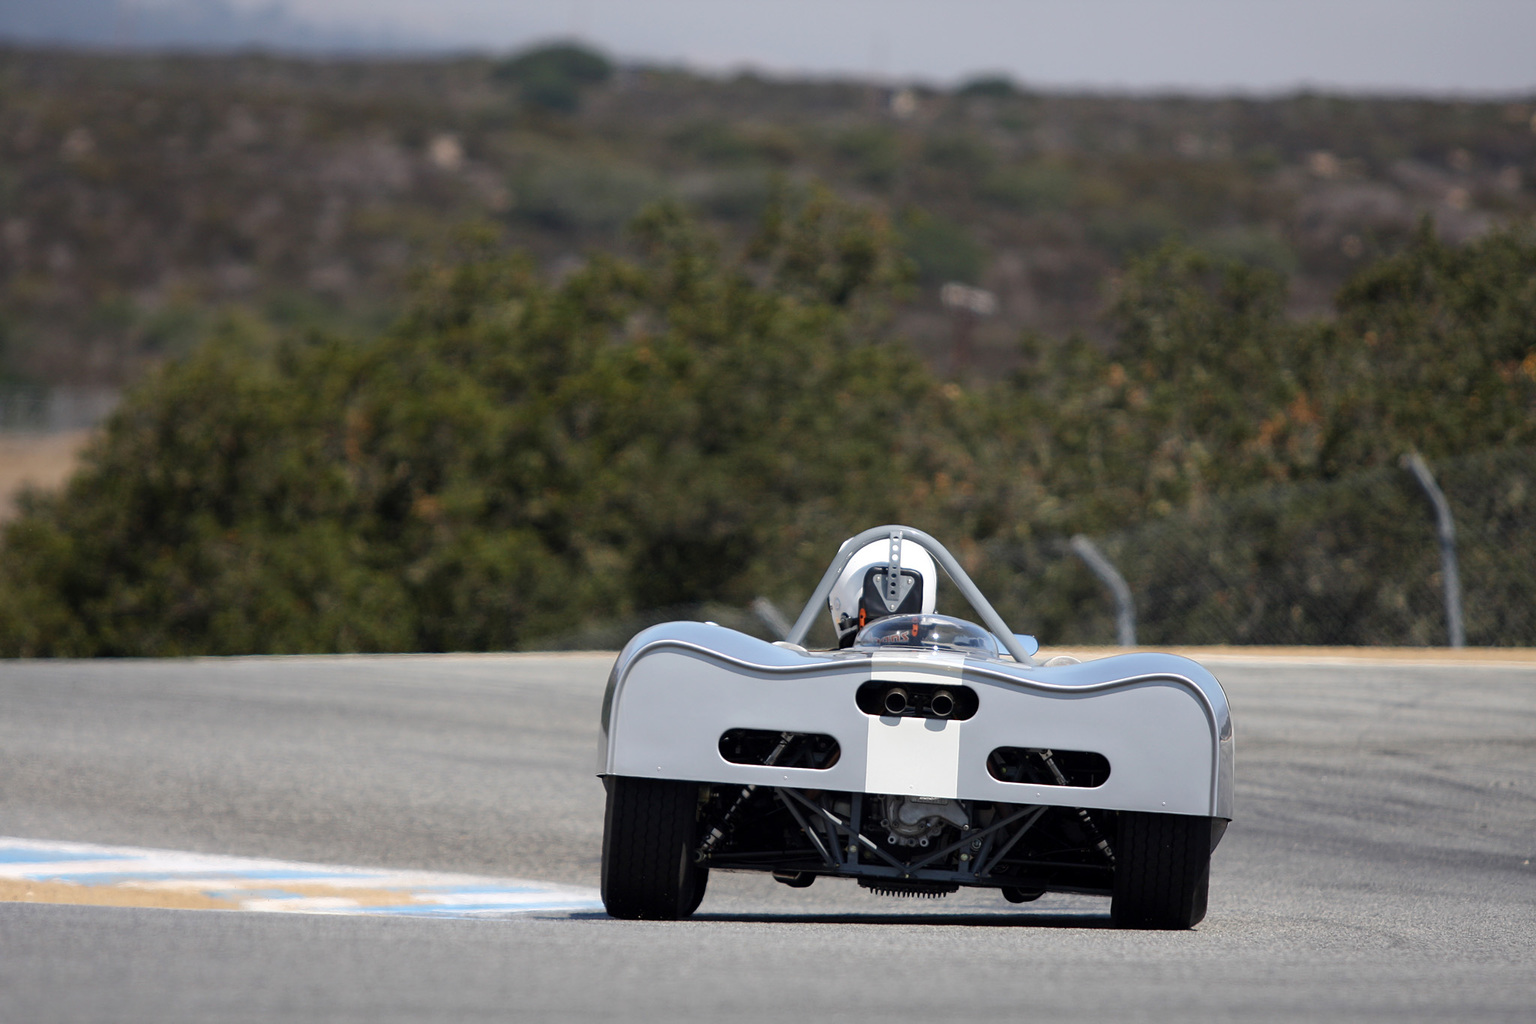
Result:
[1476,47]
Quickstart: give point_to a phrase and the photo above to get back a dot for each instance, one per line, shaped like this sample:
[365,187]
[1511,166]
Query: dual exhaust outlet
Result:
[897,701]
[882,698]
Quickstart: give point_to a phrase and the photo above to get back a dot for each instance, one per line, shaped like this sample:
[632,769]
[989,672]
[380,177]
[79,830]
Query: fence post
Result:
[1125,609]
[1445,527]
[769,615]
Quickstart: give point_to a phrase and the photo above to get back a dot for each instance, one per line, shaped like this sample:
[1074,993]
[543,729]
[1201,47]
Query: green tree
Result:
[552,77]
[508,459]
[1182,404]
[1435,350]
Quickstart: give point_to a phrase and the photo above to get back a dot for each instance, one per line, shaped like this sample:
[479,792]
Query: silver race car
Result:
[924,753]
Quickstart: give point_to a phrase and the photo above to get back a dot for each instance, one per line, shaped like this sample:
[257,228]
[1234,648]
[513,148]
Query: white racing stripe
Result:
[913,756]
[61,872]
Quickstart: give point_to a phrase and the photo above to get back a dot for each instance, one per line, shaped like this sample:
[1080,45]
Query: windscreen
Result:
[927,632]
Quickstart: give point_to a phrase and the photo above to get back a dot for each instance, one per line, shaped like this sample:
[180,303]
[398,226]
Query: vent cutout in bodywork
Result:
[917,700]
[1039,766]
[781,749]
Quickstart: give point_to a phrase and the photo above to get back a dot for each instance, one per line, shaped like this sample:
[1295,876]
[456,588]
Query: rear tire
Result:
[650,831]
[1162,870]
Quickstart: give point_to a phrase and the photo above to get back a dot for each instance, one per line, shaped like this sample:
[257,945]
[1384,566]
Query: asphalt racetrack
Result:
[1380,867]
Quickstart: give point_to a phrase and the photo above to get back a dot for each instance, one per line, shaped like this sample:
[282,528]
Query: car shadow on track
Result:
[1087,921]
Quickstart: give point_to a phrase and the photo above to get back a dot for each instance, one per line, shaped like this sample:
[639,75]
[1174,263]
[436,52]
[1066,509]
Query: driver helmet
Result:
[864,591]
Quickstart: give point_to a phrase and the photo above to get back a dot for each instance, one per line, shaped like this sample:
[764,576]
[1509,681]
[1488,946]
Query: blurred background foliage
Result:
[552,78]
[427,357]
[141,193]
[508,458]
[514,458]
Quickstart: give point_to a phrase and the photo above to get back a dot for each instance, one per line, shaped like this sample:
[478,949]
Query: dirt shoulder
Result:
[36,460]
[1508,656]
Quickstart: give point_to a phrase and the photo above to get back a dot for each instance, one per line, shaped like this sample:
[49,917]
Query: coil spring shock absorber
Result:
[1092,827]
[718,832]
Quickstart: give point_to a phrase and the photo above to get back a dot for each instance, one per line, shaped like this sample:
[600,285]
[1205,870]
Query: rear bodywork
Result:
[994,771]
[1161,721]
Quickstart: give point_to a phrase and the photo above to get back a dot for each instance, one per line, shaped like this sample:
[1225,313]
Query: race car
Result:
[922,754]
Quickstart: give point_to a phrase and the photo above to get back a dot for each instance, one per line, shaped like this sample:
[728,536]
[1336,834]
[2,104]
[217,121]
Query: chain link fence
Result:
[1349,562]
[612,634]
[29,409]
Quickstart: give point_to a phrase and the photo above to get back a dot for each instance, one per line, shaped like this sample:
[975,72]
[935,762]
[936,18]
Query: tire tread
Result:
[648,834]
[1162,870]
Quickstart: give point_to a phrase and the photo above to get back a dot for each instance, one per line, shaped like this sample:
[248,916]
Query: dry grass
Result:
[37,460]
[1513,657]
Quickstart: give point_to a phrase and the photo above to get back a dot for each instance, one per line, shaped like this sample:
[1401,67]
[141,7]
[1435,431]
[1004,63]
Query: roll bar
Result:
[968,590]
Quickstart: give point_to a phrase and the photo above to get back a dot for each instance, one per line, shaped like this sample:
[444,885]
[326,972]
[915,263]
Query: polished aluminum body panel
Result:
[1162,721]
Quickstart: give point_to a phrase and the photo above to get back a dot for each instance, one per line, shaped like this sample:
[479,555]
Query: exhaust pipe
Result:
[941,704]
[895,701]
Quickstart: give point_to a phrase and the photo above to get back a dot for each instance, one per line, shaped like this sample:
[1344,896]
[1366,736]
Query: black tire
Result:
[650,831]
[1162,870]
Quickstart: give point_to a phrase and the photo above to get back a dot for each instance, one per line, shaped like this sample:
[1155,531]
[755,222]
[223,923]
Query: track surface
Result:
[1380,866]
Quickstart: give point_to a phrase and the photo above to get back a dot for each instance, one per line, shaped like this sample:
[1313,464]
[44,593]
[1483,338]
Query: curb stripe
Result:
[53,872]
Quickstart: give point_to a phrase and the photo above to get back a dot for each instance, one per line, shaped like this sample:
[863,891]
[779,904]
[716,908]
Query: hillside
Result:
[142,196]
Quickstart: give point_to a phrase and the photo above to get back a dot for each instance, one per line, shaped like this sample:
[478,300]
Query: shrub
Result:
[991,86]
[509,459]
[942,250]
[1031,188]
[552,77]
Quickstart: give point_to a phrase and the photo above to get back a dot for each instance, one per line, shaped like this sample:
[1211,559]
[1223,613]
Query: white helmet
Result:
[886,577]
